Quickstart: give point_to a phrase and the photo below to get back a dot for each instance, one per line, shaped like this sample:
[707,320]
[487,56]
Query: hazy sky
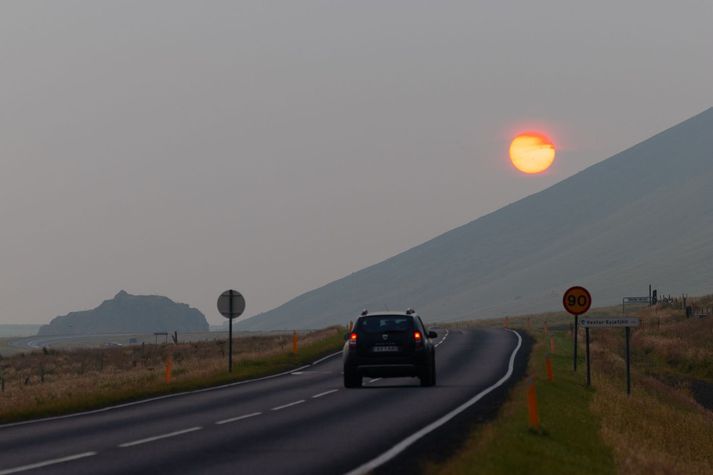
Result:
[182,148]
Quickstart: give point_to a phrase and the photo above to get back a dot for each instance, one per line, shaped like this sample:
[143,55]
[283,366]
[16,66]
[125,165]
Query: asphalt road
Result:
[301,422]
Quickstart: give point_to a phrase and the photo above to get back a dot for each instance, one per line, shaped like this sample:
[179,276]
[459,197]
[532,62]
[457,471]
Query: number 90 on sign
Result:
[577,300]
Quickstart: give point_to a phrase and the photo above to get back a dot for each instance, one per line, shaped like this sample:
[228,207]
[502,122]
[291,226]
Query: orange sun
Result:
[532,152]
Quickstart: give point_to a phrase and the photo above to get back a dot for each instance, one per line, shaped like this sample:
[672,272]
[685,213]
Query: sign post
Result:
[231,304]
[627,323]
[576,300]
[628,363]
[589,366]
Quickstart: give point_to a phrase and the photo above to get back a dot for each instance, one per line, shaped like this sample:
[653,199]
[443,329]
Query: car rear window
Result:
[384,323]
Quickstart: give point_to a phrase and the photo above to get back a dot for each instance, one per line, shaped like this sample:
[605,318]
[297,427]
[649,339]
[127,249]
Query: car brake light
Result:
[352,338]
[417,337]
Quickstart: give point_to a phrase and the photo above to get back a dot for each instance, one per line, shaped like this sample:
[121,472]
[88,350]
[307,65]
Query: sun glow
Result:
[532,152]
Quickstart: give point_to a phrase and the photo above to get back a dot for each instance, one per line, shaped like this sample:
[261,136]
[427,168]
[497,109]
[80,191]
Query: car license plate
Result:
[385,349]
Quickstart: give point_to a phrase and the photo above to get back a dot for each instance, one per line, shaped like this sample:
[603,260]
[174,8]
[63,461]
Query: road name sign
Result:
[577,300]
[645,300]
[609,322]
[613,322]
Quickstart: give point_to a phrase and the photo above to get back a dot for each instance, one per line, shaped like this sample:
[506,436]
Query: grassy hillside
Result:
[613,228]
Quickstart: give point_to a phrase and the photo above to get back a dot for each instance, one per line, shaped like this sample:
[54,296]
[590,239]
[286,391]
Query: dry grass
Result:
[56,381]
[660,429]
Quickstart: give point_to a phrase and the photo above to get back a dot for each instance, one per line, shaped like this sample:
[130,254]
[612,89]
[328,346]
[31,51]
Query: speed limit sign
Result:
[577,300]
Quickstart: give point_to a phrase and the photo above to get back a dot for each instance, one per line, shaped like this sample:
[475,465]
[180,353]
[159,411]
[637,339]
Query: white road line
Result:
[442,339]
[408,441]
[374,380]
[159,437]
[167,396]
[239,418]
[325,393]
[326,358]
[46,463]
[287,405]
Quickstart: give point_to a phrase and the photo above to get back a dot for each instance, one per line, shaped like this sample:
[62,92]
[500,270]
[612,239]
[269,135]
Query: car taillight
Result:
[353,339]
[417,337]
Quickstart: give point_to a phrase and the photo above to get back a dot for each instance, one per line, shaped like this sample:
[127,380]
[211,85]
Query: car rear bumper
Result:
[389,370]
[386,366]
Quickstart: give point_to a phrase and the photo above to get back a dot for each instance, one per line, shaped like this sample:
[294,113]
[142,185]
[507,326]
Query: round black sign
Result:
[231,304]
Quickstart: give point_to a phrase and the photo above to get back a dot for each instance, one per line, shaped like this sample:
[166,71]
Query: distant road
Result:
[37,342]
[299,422]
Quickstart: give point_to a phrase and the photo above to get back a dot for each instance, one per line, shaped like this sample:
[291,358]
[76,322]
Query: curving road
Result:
[299,422]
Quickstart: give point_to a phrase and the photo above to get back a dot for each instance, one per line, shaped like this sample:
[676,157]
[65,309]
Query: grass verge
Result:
[569,439]
[67,393]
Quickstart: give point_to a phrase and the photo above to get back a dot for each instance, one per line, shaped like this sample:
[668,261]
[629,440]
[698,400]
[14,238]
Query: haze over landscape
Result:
[642,216]
[182,148]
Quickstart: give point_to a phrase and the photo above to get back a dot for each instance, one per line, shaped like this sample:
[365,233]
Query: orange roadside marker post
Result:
[548,365]
[294,341]
[533,414]
[169,368]
[529,324]
[507,322]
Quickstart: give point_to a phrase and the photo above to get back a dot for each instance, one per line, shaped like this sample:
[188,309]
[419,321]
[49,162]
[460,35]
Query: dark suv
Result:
[388,345]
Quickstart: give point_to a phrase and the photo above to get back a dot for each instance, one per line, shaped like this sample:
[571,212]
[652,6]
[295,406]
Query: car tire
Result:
[351,379]
[429,374]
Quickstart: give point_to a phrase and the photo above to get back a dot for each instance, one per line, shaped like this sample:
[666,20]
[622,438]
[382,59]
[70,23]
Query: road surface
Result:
[300,422]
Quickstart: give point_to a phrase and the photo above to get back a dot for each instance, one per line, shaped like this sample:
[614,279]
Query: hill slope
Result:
[127,313]
[644,215]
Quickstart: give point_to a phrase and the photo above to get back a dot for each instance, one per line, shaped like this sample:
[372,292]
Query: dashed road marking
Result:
[239,418]
[442,339]
[284,406]
[46,463]
[159,437]
[325,393]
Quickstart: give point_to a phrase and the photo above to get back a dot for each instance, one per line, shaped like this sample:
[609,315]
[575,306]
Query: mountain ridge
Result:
[579,230]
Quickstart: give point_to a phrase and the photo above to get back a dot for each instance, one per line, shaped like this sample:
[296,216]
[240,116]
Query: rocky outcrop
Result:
[127,313]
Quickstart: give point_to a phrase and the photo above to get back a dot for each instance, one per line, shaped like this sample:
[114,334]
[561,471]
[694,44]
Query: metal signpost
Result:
[231,304]
[627,323]
[576,300]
